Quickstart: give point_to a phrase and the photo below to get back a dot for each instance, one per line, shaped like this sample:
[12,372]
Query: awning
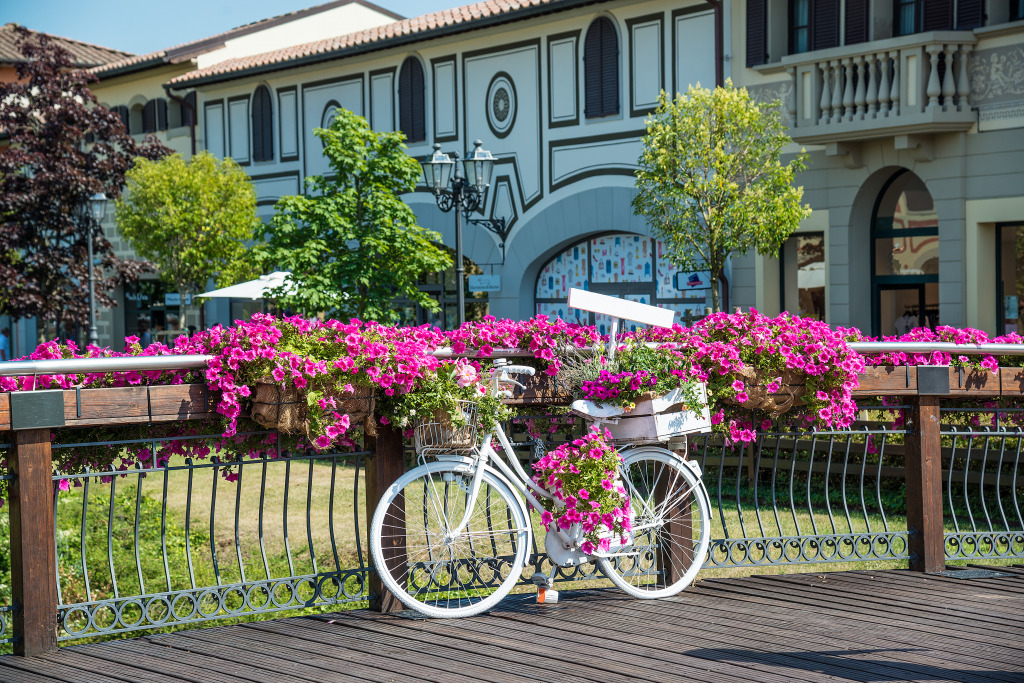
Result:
[253,289]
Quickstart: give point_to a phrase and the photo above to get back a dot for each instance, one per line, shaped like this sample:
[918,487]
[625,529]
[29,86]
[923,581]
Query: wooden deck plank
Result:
[731,636]
[429,632]
[774,635]
[850,629]
[863,626]
[116,652]
[840,604]
[601,652]
[775,594]
[401,655]
[372,633]
[228,670]
[827,589]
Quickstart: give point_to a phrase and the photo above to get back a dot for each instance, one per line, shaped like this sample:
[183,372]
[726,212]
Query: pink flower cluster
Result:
[583,478]
[609,385]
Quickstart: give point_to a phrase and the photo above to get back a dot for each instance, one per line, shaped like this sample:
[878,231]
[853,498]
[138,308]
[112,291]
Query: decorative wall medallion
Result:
[501,104]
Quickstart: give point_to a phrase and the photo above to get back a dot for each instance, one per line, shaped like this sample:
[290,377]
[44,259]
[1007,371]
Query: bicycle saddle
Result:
[595,411]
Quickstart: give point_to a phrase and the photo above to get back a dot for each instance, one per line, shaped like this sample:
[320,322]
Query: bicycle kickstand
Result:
[546,593]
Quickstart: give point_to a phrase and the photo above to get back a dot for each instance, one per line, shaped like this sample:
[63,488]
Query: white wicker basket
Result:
[440,436]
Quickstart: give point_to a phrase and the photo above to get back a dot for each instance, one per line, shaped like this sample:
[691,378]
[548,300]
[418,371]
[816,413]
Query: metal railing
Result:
[173,542]
[165,544]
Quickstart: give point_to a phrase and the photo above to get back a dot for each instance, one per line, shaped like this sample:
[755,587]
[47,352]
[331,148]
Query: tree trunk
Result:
[715,304]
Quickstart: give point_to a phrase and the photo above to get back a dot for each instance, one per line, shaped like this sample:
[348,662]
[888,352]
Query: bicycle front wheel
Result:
[671,522]
[430,568]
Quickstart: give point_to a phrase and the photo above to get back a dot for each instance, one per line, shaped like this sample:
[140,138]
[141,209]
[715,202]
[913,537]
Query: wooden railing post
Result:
[674,560]
[383,468]
[923,469]
[33,555]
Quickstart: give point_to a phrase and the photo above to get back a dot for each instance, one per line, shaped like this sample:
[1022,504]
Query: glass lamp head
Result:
[437,170]
[479,165]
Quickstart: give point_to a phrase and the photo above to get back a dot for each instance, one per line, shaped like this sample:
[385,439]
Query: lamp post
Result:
[461,193]
[93,215]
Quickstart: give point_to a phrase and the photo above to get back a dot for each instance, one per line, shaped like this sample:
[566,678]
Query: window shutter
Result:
[411,102]
[609,69]
[161,114]
[262,125]
[856,22]
[938,15]
[969,14]
[824,24]
[122,112]
[188,110]
[601,69]
[149,117]
[757,35]
[592,70]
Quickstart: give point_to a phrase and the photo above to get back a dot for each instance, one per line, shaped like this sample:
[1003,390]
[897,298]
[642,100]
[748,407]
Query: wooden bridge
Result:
[844,626]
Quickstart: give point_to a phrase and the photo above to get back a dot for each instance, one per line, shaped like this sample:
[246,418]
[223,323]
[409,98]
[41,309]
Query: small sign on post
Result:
[485,283]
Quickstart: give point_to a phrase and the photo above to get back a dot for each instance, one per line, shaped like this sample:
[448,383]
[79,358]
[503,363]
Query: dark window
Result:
[161,114]
[914,16]
[1010,279]
[188,110]
[601,69]
[969,14]
[262,125]
[907,15]
[149,117]
[1016,10]
[813,25]
[799,26]
[856,15]
[757,32]
[122,113]
[411,104]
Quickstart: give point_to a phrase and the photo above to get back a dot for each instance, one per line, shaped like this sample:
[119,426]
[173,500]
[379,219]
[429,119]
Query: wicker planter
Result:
[286,411]
[661,418]
[790,393]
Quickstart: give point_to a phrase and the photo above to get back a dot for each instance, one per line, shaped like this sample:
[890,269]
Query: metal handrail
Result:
[71,366]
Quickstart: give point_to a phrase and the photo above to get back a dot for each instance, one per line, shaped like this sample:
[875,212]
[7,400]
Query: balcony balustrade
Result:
[911,85]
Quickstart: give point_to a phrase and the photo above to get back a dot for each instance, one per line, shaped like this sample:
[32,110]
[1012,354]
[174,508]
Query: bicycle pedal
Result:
[546,596]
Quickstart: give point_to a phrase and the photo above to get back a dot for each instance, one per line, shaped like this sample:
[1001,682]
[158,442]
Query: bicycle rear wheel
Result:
[429,568]
[671,521]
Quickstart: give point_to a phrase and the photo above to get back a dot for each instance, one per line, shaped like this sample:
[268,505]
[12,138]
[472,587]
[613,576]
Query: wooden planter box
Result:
[654,421]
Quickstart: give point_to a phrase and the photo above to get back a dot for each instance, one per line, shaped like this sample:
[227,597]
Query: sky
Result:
[142,26]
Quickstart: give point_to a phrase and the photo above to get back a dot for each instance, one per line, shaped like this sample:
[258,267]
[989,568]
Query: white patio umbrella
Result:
[253,289]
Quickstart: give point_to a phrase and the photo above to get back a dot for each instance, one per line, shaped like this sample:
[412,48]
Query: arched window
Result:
[411,105]
[136,119]
[620,264]
[262,125]
[601,69]
[904,257]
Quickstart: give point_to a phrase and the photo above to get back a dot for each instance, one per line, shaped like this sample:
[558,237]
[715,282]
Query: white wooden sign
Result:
[620,308]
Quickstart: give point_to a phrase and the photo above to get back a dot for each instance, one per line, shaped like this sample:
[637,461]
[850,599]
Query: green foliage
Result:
[711,182]
[351,243]
[192,218]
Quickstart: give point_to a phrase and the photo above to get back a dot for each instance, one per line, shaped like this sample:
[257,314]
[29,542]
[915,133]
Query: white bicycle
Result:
[453,536]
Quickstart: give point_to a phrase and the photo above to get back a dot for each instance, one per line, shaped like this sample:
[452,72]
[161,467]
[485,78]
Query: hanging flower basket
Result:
[286,410]
[773,395]
[657,419]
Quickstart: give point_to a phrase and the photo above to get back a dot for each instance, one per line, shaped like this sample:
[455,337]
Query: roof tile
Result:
[427,22]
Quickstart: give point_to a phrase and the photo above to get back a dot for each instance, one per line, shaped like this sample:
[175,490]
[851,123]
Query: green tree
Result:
[711,181]
[351,244]
[191,218]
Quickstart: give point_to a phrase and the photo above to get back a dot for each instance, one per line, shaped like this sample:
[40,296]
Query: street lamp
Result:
[93,211]
[452,190]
